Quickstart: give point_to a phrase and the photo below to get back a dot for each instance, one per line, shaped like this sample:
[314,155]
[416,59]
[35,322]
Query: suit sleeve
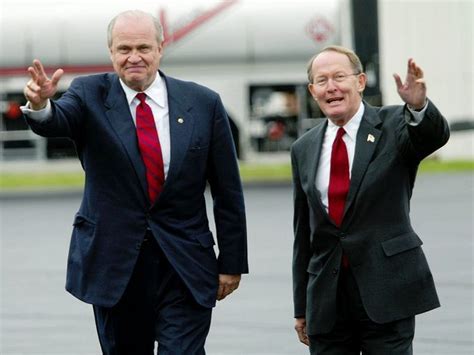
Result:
[67,115]
[419,141]
[301,243]
[226,189]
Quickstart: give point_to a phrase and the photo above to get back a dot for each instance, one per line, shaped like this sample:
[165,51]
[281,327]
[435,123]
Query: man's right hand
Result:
[300,327]
[41,88]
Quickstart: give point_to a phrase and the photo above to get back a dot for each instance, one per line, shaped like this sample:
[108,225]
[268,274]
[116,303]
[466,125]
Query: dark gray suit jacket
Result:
[376,233]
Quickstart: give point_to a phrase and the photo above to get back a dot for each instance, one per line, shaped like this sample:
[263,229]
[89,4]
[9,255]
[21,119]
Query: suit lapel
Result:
[118,115]
[181,129]
[315,147]
[367,139]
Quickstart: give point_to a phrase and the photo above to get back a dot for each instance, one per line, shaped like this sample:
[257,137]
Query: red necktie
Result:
[339,178]
[150,148]
[338,182]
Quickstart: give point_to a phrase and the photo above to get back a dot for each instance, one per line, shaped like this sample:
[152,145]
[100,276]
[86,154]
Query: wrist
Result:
[417,107]
[37,106]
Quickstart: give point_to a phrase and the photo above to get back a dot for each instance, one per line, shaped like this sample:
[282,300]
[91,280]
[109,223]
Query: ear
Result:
[111,54]
[312,91]
[362,80]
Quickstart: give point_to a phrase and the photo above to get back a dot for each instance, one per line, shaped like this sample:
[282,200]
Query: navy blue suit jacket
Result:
[115,211]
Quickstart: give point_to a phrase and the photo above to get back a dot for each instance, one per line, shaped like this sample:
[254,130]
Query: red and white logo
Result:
[319,29]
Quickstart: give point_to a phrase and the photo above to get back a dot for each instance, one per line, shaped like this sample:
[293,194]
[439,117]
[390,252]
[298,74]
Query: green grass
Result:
[432,165]
[35,180]
[250,172]
[265,172]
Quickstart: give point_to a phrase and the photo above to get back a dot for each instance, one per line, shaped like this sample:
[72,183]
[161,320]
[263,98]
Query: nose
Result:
[331,85]
[134,57]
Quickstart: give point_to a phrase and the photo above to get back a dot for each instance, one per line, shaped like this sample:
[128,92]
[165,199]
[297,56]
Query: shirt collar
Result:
[352,126]
[156,91]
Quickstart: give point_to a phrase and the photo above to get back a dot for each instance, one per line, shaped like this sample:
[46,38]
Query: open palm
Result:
[413,90]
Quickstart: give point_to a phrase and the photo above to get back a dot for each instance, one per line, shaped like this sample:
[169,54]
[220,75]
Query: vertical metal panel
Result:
[366,45]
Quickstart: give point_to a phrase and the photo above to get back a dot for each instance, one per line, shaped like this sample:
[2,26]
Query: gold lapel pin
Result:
[180,120]
[370,138]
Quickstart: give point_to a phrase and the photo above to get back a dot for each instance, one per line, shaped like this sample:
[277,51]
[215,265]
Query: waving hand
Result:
[413,90]
[40,88]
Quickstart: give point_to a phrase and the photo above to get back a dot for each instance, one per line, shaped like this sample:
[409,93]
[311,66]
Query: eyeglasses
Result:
[338,78]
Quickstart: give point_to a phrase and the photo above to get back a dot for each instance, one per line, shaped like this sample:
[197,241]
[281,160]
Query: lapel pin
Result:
[370,138]
[180,120]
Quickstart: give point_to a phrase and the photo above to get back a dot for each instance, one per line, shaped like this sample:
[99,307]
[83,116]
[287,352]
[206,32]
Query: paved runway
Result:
[39,317]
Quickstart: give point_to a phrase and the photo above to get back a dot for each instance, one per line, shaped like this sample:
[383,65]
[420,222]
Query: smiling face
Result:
[336,86]
[135,51]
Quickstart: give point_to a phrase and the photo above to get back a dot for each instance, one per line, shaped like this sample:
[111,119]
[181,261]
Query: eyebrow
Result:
[326,75]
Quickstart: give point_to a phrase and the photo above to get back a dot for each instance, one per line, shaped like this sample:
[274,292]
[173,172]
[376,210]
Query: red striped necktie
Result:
[339,178]
[150,148]
[339,182]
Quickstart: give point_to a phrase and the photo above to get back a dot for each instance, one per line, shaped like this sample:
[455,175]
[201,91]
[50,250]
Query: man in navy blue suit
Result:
[141,251]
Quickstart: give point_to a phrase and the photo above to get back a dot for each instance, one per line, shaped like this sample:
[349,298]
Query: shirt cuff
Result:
[416,116]
[37,115]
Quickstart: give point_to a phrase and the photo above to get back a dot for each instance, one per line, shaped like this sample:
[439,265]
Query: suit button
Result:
[335,271]
[342,235]
[138,246]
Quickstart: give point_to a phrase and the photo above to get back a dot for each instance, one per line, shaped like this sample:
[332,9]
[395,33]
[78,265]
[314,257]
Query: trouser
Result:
[354,332]
[156,306]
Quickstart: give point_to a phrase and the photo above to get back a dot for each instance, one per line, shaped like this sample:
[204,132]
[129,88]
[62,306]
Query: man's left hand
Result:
[227,285]
[413,90]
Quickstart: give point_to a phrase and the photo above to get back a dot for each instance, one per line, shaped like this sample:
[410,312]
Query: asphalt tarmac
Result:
[39,317]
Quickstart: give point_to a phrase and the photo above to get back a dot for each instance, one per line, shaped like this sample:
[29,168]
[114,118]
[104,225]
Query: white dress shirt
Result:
[157,99]
[351,128]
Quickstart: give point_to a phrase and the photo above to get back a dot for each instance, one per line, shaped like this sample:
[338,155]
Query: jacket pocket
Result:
[81,219]
[314,266]
[197,149]
[84,229]
[82,240]
[205,239]
[401,243]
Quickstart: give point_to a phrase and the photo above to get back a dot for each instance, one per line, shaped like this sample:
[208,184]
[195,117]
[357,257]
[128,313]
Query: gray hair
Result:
[138,14]
[353,58]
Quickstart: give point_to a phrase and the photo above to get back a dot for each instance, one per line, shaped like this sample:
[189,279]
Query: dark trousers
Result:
[156,306]
[354,332]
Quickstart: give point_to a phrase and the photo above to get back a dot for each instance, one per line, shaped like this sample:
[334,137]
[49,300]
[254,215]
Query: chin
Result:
[338,112]
[134,78]
[135,85]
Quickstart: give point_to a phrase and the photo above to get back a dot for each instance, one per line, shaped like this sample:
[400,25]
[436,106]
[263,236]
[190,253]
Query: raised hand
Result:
[40,88]
[413,91]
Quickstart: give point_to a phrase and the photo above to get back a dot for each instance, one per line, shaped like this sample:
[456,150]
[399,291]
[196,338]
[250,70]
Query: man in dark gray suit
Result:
[359,273]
